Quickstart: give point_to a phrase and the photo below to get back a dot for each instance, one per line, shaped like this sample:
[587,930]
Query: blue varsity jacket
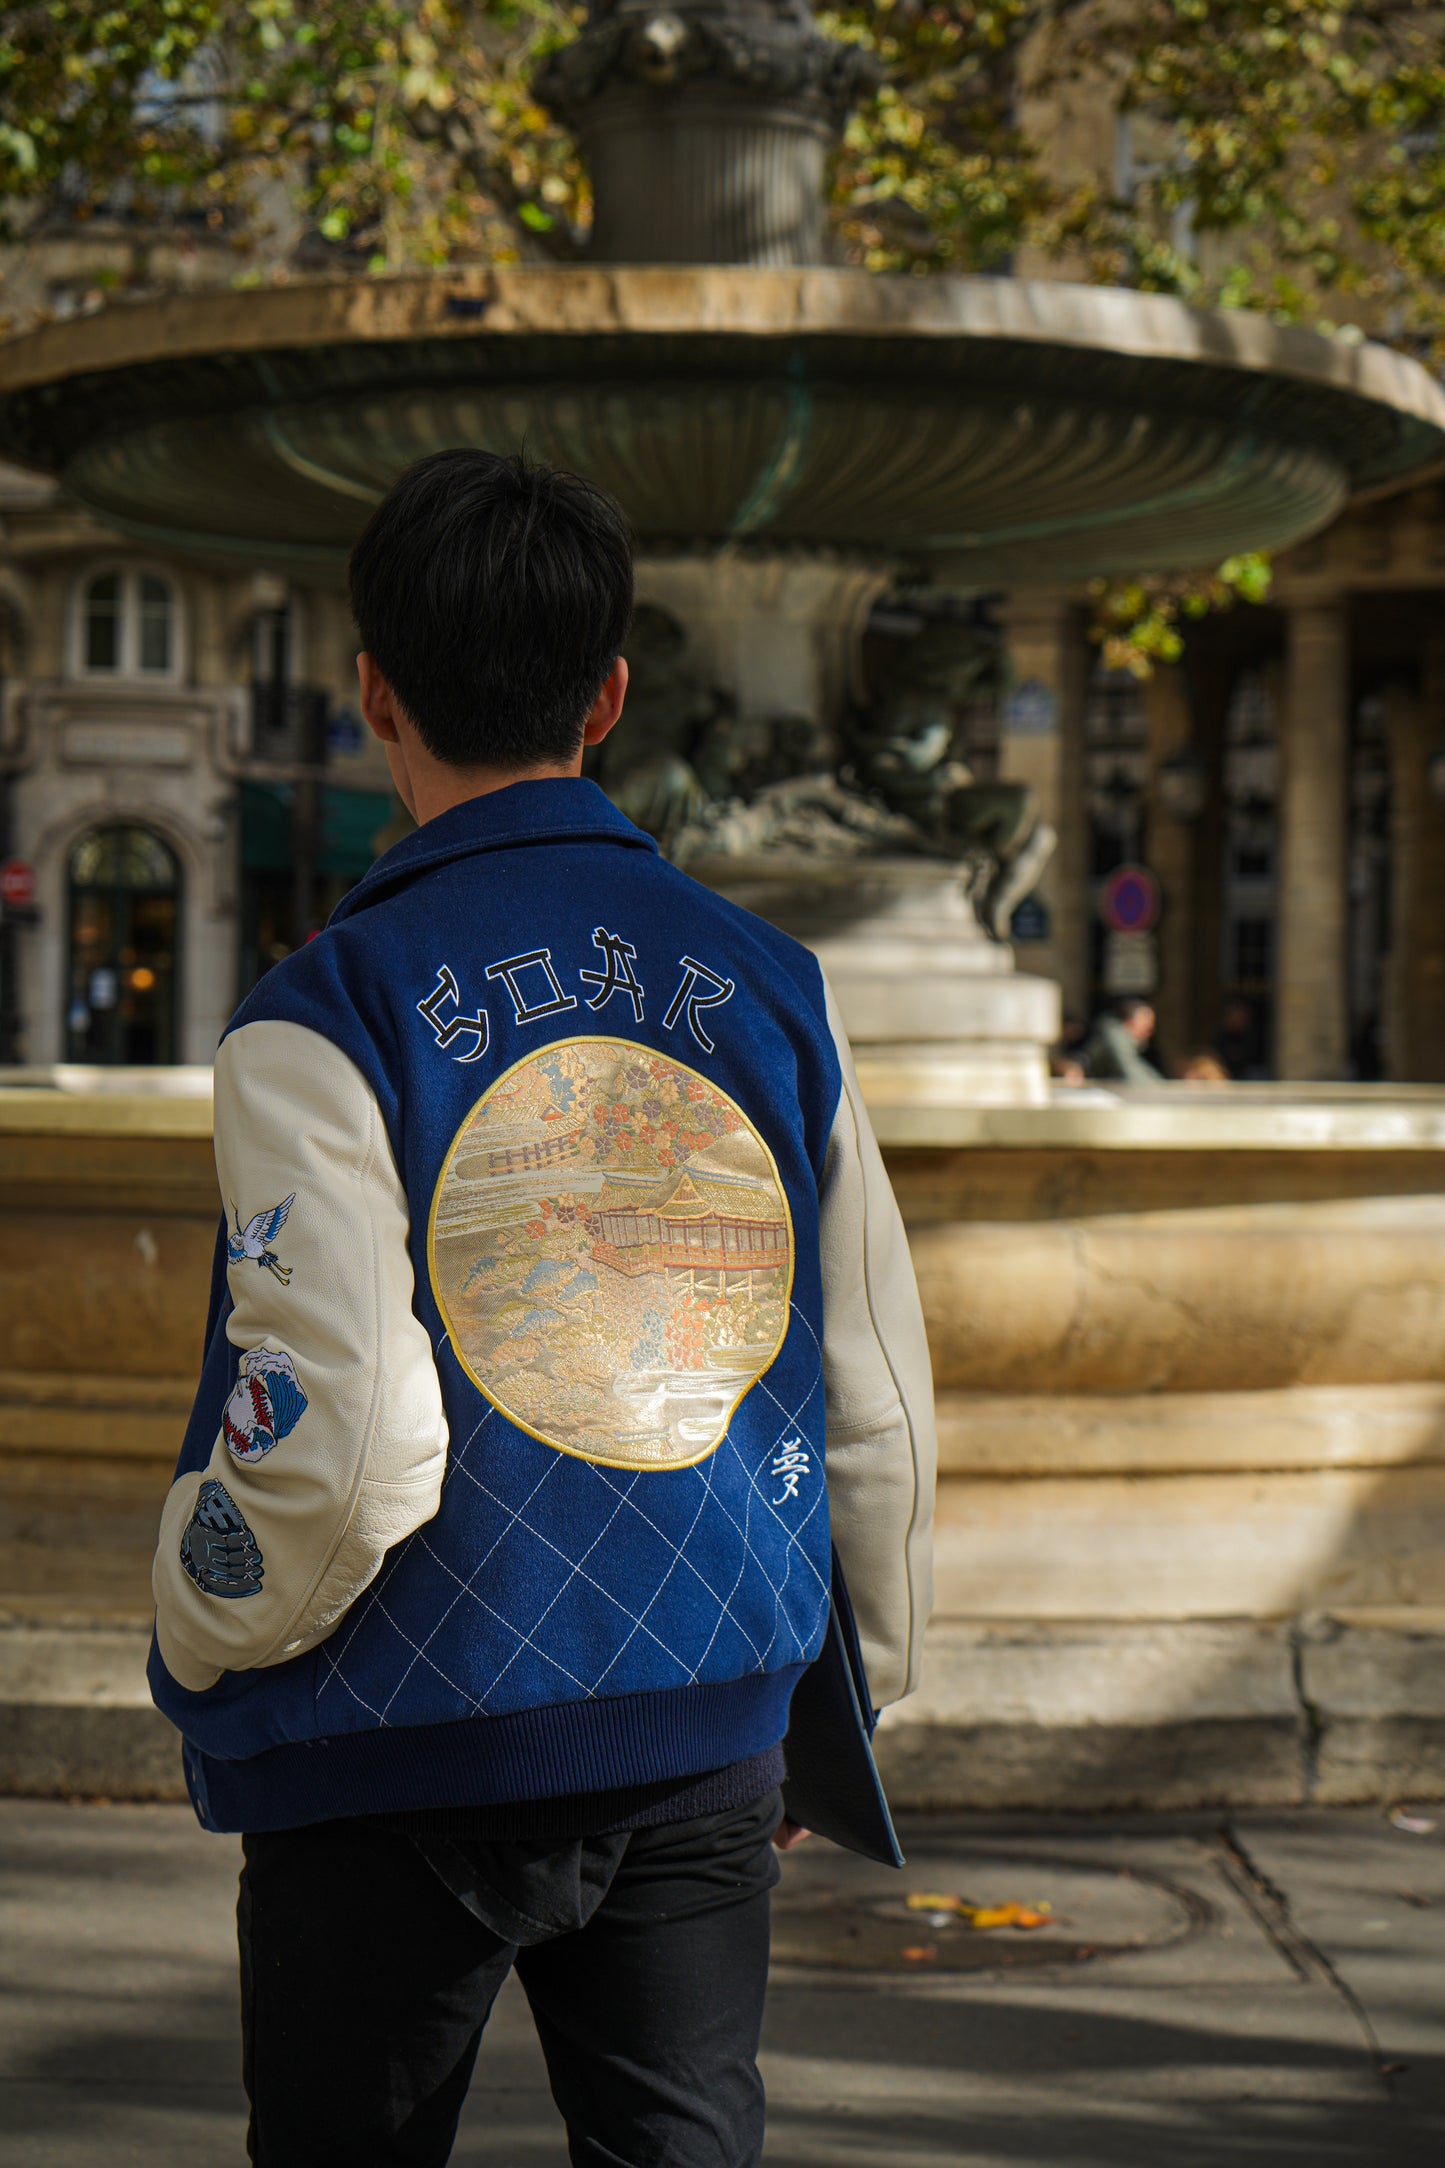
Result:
[558,1293]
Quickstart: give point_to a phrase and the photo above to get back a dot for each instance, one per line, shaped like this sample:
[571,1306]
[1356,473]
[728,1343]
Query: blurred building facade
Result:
[1284,783]
[184,779]
[183,767]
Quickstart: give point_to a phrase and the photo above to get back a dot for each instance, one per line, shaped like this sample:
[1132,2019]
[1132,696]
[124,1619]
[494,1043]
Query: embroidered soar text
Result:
[535,991]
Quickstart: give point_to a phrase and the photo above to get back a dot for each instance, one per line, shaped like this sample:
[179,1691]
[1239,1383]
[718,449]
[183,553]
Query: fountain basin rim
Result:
[666,301]
[1293,1118]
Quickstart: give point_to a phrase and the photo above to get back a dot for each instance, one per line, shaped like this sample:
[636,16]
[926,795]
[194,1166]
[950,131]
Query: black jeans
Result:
[368,1971]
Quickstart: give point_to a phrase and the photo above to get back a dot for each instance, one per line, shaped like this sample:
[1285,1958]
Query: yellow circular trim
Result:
[629,1046]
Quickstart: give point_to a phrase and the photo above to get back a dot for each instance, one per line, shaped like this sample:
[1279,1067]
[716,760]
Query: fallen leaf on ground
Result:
[1010,1915]
[982,1918]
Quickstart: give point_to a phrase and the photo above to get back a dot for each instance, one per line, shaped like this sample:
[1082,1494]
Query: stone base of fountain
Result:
[1191,1512]
[935,1011]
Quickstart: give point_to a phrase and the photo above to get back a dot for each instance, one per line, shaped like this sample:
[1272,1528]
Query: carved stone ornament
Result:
[768,49]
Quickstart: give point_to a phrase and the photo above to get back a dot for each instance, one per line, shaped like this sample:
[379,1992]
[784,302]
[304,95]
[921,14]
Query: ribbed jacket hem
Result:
[576,1747]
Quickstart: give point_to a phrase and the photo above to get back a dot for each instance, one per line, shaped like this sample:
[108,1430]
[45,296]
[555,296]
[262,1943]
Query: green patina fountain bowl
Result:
[981,431]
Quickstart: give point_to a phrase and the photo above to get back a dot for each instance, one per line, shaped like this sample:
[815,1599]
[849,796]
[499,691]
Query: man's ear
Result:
[378,703]
[607,706]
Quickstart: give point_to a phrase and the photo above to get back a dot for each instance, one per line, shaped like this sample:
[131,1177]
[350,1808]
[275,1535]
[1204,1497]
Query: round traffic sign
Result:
[1130,902]
[17,882]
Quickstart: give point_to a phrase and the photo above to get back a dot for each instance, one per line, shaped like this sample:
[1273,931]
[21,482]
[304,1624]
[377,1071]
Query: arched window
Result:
[128,626]
[124,939]
[155,630]
[102,623]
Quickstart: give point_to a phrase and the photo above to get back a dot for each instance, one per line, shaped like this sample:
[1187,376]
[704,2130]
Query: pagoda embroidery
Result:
[714,1221]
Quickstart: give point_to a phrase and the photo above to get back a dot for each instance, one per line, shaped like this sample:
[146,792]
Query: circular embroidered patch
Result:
[611,1248]
[266,1404]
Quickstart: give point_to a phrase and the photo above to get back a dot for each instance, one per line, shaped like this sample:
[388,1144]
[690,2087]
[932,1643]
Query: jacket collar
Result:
[556,809]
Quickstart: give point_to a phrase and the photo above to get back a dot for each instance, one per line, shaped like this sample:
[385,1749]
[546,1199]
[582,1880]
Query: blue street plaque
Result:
[343,732]
[1031,710]
[1031,920]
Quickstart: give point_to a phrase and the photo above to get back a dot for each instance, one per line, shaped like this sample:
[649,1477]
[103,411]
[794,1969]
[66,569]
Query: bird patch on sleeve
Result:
[253,1241]
[267,1403]
[218,1550]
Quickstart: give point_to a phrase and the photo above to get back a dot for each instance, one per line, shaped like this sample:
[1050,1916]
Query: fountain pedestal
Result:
[935,1011]
[778,632]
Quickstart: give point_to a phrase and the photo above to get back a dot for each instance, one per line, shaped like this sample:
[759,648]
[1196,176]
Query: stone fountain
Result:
[787,439]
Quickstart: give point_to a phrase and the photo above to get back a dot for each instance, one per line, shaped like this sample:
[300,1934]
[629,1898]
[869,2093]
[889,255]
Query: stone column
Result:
[215,646]
[1212,674]
[1312,1028]
[1170,852]
[1041,744]
[1415,985]
[52,626]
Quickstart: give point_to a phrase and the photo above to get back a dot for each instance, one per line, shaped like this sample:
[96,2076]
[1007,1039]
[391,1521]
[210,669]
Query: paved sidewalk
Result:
[1268,1993]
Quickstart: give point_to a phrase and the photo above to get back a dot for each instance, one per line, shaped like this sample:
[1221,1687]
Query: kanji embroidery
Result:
[254,1239]
[218,1550]
[619,977]
[456,1026]
[267,1404]
[509,971]
[789,1468]
[700,989]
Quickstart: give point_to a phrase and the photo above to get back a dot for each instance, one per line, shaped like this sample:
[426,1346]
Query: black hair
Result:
[1127,1007]
[494,595]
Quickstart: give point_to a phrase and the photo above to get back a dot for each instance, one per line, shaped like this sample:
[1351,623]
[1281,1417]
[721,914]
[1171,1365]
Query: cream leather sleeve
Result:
[882,1449]
[333,1445]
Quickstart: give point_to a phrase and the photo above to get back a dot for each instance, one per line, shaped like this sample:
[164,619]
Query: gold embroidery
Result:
[611,1249]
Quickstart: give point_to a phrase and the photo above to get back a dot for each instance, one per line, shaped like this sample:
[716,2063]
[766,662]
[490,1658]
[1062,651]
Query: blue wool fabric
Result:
[563,1625]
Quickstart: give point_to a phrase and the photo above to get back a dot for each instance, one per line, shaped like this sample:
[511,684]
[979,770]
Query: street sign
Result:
[343,733]
[1130,902]
[1131,963]
[1030,921]
[17,883]
[1031,711]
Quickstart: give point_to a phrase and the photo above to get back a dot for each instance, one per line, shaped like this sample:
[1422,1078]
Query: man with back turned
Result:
[562,1315]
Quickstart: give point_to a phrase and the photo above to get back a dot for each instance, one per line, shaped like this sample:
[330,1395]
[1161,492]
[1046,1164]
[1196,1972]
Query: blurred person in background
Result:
[1115,1048]
[1203,1069]
[1240,1043]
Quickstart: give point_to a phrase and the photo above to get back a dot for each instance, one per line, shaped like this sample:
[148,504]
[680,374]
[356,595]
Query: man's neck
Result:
[428,788]
[457,786]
